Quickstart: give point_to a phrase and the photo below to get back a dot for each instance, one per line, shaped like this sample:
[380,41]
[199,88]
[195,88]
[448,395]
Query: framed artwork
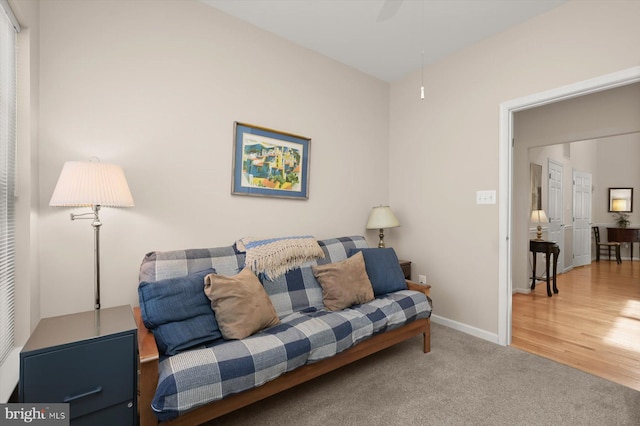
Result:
[621,200]
[535,182]
[269,163]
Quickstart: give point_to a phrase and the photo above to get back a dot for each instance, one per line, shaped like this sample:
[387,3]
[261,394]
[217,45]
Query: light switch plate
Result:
[486,197]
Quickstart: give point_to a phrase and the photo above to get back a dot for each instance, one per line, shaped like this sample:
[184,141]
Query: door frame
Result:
[505,178]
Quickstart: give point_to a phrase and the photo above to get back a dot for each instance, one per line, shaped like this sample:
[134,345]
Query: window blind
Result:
[8,83]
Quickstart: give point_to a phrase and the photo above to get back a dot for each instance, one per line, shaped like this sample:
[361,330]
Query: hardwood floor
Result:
[593,324]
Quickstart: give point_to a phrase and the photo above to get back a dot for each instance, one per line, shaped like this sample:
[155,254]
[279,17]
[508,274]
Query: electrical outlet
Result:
[422,279]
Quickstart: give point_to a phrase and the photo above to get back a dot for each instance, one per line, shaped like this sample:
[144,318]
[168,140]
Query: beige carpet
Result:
[463,381]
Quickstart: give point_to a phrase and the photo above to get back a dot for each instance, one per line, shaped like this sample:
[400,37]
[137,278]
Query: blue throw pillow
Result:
[178,313]
[383,268]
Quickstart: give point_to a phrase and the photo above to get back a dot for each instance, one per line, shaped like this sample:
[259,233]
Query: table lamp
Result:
[380,218]
[538,216]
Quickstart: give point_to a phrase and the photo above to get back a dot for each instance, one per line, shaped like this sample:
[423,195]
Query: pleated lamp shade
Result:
[84,183]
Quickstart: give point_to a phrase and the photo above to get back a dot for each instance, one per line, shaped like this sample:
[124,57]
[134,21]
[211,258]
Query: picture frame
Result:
[621,200]
[535,182]
[270,163]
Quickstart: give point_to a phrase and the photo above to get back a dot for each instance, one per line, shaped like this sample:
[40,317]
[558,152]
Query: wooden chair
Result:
[608,246]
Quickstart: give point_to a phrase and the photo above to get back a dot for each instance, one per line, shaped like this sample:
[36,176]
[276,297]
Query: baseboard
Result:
[482,334]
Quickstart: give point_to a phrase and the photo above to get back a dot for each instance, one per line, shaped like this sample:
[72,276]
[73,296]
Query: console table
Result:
[550,249]
[624,235]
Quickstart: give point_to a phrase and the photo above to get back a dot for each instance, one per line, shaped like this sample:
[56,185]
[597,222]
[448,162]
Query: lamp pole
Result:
[96,248]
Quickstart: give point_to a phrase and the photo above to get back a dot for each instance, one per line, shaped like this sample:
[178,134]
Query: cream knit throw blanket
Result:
[276,256]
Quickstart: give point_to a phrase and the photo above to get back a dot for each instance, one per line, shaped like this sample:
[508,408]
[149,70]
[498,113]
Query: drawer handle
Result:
[82,395]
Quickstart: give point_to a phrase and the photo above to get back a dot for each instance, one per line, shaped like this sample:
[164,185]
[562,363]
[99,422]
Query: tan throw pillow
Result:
[241,305]
[344,283]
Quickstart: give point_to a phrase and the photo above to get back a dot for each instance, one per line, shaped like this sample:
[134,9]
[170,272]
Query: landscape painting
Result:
[270,163]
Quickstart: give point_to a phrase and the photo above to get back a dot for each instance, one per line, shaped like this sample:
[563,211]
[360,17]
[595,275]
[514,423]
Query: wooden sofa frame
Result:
[149,359]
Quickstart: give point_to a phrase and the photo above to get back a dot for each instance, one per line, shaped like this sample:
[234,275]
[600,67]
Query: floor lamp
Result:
[92,184]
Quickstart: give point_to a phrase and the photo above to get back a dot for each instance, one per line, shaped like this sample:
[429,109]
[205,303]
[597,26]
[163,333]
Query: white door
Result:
[581,218]
[555,208]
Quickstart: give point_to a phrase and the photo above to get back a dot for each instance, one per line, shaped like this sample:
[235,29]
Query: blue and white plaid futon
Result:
[307,332]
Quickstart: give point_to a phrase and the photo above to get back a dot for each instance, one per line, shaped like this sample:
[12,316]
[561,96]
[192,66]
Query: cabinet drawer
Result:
[89,376]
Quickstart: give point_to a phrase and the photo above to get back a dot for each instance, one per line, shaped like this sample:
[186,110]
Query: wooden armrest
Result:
[147,348]
[148,379]
[422,288]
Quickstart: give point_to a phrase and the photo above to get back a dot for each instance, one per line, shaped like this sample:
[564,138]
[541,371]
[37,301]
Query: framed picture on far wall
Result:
[270,163]
[535,180]
[621,200]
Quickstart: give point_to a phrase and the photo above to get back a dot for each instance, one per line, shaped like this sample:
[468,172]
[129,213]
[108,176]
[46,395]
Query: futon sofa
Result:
[190,372]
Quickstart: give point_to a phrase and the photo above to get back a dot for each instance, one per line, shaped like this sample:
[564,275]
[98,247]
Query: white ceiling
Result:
[385,38]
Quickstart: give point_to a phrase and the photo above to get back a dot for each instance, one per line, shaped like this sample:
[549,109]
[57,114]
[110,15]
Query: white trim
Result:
[605,82]
[604,225]
[9,374]
[482,334]
[4,4]
[505,165]
[597,84]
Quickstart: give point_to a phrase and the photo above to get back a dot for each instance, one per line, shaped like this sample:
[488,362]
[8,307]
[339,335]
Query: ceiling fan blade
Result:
[388,10]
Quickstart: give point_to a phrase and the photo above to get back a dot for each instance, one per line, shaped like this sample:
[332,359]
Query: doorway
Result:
[581,218]
[556,207]
[507,236]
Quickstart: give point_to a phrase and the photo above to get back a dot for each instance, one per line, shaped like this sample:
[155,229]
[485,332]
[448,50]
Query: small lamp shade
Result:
[539,216]
[381,218]
[619,205]
[84,183]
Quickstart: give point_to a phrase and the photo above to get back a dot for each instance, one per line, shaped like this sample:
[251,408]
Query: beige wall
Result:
[612,161]
[608,113]
[445,148]
[617,167]
[155,87]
